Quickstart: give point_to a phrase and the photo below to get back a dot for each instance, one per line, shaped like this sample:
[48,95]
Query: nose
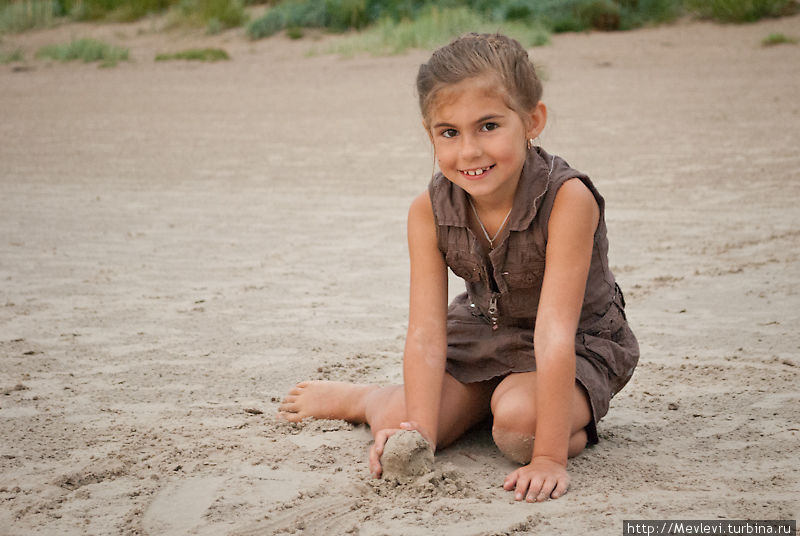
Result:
[470,147]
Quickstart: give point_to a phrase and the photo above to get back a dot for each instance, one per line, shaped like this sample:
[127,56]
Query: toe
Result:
[290,416]
[288,406]
[296,390]
[300,386]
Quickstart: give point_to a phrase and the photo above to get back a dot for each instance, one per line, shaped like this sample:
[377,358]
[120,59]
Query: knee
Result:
[514,412]
[513,427]
[515,446]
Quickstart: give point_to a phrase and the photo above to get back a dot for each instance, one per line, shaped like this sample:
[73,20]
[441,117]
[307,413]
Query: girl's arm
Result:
[426,341]
[571,229]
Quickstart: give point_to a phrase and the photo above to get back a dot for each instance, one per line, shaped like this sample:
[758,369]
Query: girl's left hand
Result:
[536,482]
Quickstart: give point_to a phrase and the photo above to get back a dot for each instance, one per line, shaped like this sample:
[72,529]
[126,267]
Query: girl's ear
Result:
[538,119]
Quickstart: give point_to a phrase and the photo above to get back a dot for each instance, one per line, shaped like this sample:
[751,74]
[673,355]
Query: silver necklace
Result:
[492,239]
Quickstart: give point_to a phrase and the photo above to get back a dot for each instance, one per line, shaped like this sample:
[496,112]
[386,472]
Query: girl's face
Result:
[479,142]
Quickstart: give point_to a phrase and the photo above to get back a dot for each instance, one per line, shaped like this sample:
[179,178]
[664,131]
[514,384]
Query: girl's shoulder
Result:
[559,174]
[423,235]
[421,205]
[574,201]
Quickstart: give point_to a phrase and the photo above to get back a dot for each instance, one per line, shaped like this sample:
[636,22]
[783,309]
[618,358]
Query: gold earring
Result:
[530,143]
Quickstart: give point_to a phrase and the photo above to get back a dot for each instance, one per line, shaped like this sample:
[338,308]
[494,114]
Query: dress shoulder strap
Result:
[438,196]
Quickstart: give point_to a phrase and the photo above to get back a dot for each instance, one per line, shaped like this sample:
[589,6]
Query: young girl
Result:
[539,340]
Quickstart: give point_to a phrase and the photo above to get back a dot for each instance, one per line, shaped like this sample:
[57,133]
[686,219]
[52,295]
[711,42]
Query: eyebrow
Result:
[481,120]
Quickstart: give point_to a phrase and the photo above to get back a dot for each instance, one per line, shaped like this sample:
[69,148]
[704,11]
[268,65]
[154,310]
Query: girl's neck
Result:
[487,208]
[491,215]
[498,203]
[491,238]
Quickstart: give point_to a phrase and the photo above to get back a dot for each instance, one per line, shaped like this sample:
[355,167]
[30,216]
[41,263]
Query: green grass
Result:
[214,15]
[555,15]
[11,57]
[85,50]
[271,23]
[740,10]
[27,14]
[113,10]
[431,29]
[196,54]
[582,15]
[295,32]
[296,16]
[778,39]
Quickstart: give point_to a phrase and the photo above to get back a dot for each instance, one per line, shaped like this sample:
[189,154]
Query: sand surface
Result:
[181,243]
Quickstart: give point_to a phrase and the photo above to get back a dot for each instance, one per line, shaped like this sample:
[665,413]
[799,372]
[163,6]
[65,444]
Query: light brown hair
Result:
[476,55]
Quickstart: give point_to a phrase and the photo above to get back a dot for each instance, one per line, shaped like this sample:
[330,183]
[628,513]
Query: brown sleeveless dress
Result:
[490,326]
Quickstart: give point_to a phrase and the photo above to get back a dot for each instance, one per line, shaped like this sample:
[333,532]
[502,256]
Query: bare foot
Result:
[326,400]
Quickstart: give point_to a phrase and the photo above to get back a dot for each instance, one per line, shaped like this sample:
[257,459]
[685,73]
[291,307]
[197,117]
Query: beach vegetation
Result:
[196,54]
[112,10]
[213,15]
[295,32]
[778,39]
[433,28]
[26,15]
[17,15]
[741,10]
[271,23]
[85,50]
[376,16]
[551,15]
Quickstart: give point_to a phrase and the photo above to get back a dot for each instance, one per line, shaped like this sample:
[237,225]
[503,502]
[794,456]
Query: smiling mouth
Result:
[477,172]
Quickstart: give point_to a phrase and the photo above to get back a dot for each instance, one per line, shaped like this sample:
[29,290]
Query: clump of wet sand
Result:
[408,469]
[407,455]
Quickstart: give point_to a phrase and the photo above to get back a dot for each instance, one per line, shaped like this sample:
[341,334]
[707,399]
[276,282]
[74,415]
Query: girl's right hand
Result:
[381,437]
[538,481]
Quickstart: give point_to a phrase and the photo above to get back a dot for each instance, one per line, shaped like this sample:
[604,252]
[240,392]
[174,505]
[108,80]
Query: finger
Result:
[547,488]
[380,440]
[534,488]
[376,451]
[374,459]
[374,463]
[414,426]
[511,480]
[523,483]
[561,488]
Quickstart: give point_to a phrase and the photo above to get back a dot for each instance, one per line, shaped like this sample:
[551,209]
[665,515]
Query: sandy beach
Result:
[180,243]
